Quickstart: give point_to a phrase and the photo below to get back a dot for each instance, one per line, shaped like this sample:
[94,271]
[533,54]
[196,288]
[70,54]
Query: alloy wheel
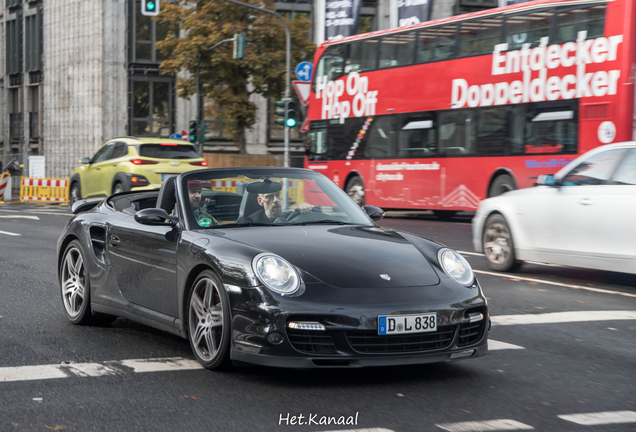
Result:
[73,282]
[497,243]
[206,319]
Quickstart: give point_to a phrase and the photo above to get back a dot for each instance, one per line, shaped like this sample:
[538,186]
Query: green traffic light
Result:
[291,122]
[150,5]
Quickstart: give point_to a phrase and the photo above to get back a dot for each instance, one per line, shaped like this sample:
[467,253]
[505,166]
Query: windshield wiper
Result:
[327,221]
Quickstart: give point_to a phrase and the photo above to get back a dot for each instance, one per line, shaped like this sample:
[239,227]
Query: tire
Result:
[209,321]
[502,184]
[75,193]
[444,214]
[498,245]
[75,288]
[355,189]
[118,188]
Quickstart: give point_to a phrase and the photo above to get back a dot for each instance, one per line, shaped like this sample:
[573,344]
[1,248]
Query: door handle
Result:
[114,241]
[586,201]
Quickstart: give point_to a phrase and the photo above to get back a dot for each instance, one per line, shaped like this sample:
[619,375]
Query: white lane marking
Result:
[598,290]
[161,364]
[563,317]
[489,425]
[494,345]
[530,262]
[66,370]
[26,373]
[601,418]
[9,233]
[20,217]
[37,212]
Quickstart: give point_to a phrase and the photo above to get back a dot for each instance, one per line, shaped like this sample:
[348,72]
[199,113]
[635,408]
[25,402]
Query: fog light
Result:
[474,317]
[462,354]
[275,338]
[306,325]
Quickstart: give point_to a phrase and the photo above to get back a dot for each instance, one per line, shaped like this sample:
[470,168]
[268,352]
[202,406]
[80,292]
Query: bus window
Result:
[418,136]
[436,43]
[397,50]
[331,63]
[551,128]
[362,56]
[318,144]
[571,22]
[456,132]
[379,138]
[528,28]
[479,36]
[492,132]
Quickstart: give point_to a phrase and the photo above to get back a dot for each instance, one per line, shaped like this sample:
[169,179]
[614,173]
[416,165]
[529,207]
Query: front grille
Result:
[311,341]
[369,341]
[470,333]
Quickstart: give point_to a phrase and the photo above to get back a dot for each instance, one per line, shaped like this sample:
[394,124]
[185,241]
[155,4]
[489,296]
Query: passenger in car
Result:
[202,217]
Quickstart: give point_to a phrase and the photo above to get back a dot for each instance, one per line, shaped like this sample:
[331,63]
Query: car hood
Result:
[345,256]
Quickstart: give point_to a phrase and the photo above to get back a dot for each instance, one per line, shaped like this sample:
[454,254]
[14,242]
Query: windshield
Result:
[265,197]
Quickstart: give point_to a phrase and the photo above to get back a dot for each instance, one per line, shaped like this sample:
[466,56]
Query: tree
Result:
[198,25]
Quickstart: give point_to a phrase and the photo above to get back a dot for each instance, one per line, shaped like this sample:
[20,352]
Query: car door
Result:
[564,217]
[143,260]
[92,181]
[110,167]
[614,212]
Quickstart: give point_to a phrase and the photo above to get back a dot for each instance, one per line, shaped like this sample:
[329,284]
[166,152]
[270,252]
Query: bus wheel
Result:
[444,214]
[355,189]
[503,183]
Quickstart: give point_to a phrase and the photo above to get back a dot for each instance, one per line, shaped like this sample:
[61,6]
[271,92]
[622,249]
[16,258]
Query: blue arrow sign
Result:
[303,71]
[176,136]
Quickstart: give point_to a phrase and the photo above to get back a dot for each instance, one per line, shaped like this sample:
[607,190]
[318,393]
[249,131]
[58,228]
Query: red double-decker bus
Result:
[443,114]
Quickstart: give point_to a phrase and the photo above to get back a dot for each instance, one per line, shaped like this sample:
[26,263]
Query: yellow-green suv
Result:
[130,163]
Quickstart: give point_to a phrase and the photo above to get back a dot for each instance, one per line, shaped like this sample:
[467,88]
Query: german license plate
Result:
[165,176]
[401,324]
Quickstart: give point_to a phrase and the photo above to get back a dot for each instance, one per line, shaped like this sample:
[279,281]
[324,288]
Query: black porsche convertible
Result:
[270,266]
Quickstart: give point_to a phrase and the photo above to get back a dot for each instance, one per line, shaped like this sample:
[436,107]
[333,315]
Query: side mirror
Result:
[547,180]
[155,216]
[375,213]
[86,161]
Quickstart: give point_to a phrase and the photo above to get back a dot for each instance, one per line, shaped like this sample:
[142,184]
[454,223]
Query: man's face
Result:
[271,204]
[195,198]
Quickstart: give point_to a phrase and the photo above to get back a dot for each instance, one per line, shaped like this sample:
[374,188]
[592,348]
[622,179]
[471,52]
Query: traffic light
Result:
[281,110]
[150,7]
[203,130]
[290,117]
[193,132]
[239,46]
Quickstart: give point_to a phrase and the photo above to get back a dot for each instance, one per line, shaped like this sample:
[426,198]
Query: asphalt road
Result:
[557,349]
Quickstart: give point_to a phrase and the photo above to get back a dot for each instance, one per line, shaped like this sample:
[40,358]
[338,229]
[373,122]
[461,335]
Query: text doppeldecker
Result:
[537,61]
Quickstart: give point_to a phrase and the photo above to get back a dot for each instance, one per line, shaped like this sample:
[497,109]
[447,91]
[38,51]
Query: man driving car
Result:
[269,198]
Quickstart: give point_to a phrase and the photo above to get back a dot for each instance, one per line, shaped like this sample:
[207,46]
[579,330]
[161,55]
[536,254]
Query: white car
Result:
[582,216]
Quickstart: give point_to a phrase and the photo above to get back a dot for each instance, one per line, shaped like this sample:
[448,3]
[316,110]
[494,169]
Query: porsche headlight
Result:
[276,274]
[456,266]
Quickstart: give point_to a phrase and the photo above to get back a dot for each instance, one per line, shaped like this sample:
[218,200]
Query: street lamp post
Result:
[287,62]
